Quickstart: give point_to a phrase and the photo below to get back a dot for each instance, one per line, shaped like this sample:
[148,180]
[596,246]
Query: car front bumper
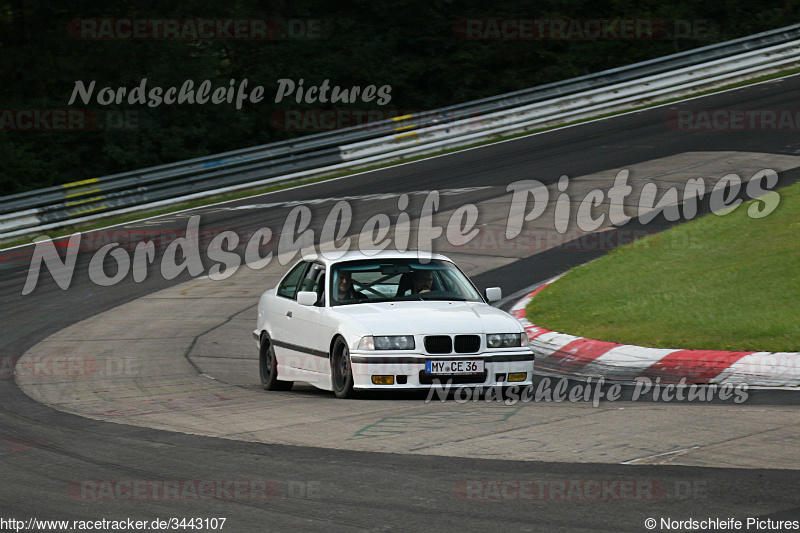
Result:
[409,372]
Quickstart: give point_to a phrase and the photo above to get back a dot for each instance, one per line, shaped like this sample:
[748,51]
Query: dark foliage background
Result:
[407,44]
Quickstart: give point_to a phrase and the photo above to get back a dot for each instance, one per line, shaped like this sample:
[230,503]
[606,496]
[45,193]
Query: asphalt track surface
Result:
[44,450]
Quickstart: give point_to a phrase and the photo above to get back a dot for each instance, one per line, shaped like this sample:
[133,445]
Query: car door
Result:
[305,321]
[281,311]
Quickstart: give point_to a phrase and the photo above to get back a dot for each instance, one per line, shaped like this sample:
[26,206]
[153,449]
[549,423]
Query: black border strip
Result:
[298,348]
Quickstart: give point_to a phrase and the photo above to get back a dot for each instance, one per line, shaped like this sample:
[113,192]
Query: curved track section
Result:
[177,356]
[182,359]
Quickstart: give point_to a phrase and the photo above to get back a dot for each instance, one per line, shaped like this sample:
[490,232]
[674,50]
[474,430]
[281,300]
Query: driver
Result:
[345,289]
[422,281]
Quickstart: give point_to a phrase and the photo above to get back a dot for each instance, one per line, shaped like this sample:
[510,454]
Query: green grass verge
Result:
[718,283]
[112,220]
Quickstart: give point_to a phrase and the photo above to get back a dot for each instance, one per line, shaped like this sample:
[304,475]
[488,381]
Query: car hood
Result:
[430,318]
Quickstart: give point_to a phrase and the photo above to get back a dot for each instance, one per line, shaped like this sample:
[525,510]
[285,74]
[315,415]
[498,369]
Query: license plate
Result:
[453,367]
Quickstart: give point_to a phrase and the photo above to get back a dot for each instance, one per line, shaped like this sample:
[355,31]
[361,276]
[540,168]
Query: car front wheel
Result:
[268,366]
[341,370]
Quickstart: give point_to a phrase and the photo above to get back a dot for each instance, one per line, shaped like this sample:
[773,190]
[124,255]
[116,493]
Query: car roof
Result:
[355,255]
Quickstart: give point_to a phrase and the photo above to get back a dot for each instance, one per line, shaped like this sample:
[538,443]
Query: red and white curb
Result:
[567,354]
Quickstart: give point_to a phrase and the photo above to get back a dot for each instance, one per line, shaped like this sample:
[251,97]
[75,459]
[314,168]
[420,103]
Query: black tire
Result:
[341,370]
[268,367]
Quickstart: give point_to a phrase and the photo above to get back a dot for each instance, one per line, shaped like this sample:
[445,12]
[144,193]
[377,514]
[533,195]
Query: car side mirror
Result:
[306,297]
[494,294]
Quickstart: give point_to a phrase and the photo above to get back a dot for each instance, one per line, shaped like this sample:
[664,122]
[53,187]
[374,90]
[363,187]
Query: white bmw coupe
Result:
[386,321]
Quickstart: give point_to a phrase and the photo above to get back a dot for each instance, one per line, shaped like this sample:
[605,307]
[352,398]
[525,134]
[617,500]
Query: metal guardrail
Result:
[582,105]
[377,141]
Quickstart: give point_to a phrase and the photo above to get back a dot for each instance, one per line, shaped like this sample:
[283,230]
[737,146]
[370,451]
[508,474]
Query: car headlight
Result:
[506,340]
[393,342]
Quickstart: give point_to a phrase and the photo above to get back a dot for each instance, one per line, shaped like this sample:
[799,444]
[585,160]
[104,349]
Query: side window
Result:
[288,287]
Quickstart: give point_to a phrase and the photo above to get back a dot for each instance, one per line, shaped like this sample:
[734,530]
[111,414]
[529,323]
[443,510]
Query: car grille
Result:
[467,343]
[438,344]
[443,344]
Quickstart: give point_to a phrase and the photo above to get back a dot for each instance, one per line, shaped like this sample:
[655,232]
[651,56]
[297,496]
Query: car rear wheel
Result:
[268,366]
[341,370]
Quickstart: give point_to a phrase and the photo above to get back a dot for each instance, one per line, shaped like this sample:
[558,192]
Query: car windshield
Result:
[390,280]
